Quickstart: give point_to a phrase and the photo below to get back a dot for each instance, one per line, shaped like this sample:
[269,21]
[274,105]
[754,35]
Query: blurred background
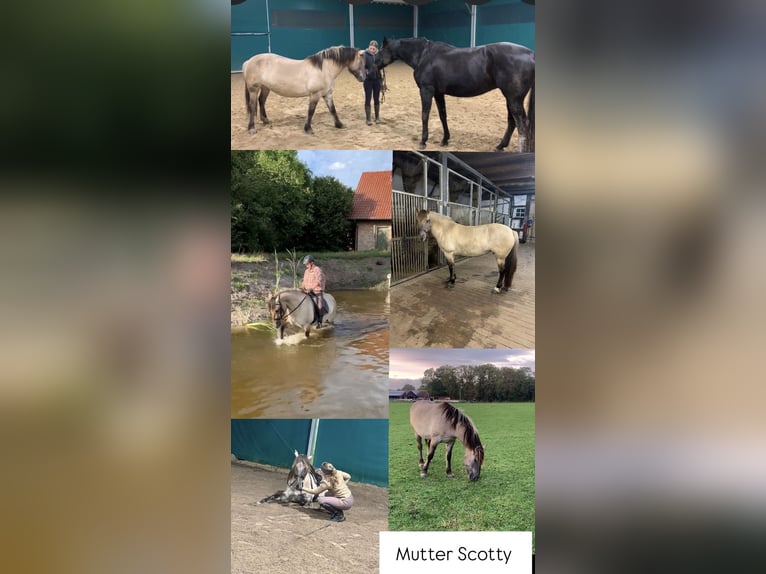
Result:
[114,380]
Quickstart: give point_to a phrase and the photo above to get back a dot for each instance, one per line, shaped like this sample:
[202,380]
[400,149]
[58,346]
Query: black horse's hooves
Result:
[421,146]
[339,126]
[309,131]
[444,143]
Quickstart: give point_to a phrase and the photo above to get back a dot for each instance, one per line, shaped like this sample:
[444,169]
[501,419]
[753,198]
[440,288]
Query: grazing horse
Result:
[302,475]
[313,76]
[441,69]
[470,240]
[441,422]
[295,307]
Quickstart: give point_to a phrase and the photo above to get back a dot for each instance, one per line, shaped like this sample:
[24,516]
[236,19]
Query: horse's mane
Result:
[470,435]
[339,54]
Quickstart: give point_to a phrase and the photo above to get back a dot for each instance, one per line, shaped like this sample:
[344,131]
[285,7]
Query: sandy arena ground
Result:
[476,124]
[281,539]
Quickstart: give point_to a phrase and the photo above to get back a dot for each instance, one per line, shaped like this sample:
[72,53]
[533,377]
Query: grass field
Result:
[502,499]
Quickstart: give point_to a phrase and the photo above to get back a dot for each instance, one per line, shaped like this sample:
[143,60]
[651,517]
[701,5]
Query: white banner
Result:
[458,552]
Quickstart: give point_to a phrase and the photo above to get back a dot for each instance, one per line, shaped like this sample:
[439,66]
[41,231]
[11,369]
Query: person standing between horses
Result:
[313,284]
[334,481]
[371,82]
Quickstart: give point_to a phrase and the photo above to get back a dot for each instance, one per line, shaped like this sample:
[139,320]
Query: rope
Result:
[383,86]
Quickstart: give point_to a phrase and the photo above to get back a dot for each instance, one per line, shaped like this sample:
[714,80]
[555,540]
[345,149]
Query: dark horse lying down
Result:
[441,69]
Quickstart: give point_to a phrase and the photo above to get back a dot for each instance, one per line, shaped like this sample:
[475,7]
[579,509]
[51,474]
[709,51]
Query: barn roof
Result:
[372,199]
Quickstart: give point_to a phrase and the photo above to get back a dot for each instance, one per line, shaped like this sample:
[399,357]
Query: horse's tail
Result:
[511,260]
[531,116]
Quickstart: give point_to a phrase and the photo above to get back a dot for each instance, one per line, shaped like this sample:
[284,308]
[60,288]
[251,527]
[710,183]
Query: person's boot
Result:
[320,314]
[338,516]
[331,509]
[377,113]
[367,113]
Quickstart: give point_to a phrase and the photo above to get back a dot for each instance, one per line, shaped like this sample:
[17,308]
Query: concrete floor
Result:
[425,313]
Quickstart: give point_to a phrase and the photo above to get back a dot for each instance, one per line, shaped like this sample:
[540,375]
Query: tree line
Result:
[277,203]
[481,383]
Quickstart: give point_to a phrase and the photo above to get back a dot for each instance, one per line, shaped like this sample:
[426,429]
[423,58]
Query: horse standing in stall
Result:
[313,76]
[441,422]
[295,307]
[470,240]
[441,69]
[302,475]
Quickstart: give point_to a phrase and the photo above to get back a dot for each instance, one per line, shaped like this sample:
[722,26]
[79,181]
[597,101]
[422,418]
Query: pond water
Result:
[338,372]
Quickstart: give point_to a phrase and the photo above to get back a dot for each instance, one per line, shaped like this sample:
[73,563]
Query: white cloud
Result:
[336,166]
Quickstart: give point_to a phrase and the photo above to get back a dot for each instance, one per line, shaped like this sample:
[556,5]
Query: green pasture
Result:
[502,499]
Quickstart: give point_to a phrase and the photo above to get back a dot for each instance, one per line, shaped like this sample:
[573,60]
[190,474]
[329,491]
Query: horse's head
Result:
[276,311]
[473,460]
[356,66]
[387,53]
[300,469]
[424,224]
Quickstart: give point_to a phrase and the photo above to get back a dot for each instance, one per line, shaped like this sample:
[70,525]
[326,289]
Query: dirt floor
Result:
[282,539]
[424,313]
[253,283]
[476,124]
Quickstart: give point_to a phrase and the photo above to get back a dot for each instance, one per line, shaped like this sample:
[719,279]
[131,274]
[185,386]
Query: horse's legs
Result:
[432,444]
[500,274]
[251,98]
[313,100]
[331,106]
[520,117]
[420,451]
[509,128]
[442,107]
[451,265]
[449,459]
[426,96]
[262,102]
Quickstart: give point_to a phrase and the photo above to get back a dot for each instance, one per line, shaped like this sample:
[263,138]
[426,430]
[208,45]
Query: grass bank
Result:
[502,499]
[254,277]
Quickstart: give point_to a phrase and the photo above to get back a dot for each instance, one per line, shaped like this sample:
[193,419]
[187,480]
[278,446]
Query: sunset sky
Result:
[411,363]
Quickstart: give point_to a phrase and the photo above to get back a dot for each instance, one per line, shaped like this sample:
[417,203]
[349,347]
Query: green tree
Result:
[407,387]
[329,204]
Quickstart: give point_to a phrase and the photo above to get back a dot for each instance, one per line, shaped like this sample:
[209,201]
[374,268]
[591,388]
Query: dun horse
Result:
[441,422]
[294,307]
[441,69]
[469,240]
[313,76]
[302,475]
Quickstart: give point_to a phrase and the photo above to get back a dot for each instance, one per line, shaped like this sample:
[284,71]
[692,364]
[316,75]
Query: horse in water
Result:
[313,76]
[302,475]
[470,240]
[442,69]
[295,307]
[441,422]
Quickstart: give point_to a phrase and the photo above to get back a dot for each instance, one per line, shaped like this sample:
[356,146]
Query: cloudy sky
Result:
[411,363]
[346,166]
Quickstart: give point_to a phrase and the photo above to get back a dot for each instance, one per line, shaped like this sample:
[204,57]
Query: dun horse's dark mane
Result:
[457,417]
[340,54]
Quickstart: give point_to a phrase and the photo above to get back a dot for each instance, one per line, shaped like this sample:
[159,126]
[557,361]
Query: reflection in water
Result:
[340,372]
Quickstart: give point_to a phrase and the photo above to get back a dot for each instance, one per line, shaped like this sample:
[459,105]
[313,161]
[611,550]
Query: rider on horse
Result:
[313,284]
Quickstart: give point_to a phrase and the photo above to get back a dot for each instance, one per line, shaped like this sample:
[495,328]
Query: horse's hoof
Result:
[251,131]
[495,290]
[423,475]
[266,122]
[339,125]
[308,130]
[422,145]
[444,143]
[450,475]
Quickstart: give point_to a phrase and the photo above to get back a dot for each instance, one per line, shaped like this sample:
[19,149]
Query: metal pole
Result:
[444,182]
[351,22]
[414,21]
[313,431]
[473,25]
[268,26]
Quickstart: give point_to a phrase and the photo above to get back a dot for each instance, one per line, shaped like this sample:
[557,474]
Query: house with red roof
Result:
[371,212]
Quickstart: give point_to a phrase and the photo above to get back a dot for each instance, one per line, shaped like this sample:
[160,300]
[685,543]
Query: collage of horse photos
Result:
[382,277]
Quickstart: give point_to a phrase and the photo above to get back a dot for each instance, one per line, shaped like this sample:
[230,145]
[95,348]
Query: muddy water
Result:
[338,372]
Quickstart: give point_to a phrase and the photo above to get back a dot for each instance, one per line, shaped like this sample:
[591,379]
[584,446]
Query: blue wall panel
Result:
[358,446]
[269,441]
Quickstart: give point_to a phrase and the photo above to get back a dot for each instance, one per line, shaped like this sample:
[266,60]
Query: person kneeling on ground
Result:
[336,482]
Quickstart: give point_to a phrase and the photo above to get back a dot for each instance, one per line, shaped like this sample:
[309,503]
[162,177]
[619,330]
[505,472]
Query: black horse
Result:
[441,69]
